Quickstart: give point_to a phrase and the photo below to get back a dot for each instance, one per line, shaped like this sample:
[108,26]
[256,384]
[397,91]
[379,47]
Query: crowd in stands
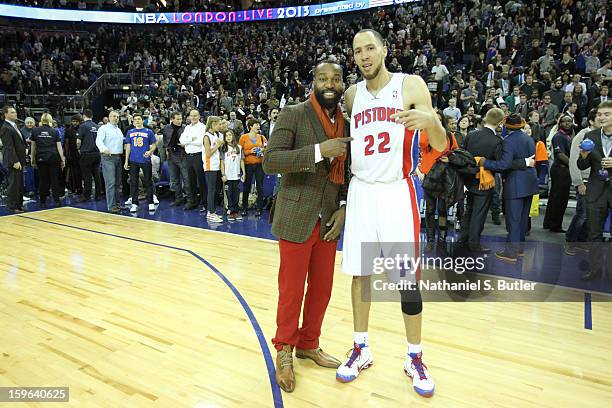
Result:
[541,60]
[154,6]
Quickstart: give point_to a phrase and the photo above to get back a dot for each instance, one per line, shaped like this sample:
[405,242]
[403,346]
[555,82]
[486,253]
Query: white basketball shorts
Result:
[379,214]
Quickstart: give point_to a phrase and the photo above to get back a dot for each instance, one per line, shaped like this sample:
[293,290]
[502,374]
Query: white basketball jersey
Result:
[214,163]
[382,151]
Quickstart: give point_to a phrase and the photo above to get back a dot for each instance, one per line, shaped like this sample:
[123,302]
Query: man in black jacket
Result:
[599,189]
[485,143]
[177,161]
[14,156]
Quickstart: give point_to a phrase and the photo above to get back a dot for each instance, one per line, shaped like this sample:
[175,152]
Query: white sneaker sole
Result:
[348,379]
[422,393]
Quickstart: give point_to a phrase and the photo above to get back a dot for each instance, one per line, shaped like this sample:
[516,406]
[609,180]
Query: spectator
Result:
[140,144]
[109,140]
[177,160]
[577,232]
[212,164]
[598,190]
[89,156]
[560,176]
[253,145]
[429,156]
[14,159]
[452,110]
[48,157]
[192,139]
[549,113]
[232,172]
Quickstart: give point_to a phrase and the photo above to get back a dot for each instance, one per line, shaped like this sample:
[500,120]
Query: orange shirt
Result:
[247,145]
[429,155]
[541,154]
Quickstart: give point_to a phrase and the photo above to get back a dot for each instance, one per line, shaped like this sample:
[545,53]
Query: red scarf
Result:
[332,131]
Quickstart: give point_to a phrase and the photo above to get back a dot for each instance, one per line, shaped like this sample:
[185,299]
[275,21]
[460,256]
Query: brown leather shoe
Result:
[285,377]
[319,356]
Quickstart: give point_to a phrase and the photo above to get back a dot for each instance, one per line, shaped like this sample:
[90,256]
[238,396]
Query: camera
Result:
[603,175]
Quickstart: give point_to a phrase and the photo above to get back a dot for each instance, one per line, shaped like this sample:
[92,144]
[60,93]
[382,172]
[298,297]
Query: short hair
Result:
[29,119]
[76,118]
[88,113]
[116,112]
[46,119]
[175,114]
[137,114]
[6,108]
[375,33]
[494,116]
[605,105]
[328,61]
[592,114]
[251,122]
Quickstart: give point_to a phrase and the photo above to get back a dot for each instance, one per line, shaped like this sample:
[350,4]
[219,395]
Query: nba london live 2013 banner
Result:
[195,17]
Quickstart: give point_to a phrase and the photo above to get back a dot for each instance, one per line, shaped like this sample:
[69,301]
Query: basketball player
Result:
[382,204]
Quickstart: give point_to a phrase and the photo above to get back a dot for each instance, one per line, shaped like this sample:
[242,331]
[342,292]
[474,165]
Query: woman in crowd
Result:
[429,156]
[48,156]
[253,146]
[212,164]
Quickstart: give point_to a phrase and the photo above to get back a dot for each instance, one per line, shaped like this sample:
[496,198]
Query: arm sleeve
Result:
[504,163]
[280,156]
[100,140]
[575,173]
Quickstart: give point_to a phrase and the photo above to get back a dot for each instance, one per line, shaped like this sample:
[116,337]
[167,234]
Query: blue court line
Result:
[276,393]
[588,318]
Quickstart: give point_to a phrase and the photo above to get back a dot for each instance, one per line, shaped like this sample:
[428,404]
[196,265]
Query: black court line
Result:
[276,393]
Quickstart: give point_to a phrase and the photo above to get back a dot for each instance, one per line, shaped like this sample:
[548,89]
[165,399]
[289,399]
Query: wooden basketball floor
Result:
[129,312]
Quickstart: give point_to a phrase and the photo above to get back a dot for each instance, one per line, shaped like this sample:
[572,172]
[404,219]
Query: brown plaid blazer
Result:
[305,190]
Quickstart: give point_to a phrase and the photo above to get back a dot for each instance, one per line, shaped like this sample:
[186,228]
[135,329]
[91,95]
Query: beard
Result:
[326,102]
[371,76]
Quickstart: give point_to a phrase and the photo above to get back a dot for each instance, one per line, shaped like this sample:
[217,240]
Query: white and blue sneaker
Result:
[422,382]
[360,358]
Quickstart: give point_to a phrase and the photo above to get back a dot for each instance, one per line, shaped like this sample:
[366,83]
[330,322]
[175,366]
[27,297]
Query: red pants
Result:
[314,258]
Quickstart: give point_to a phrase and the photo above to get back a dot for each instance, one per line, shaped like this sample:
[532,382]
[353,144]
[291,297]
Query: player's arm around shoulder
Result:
[419,113]
[281,156]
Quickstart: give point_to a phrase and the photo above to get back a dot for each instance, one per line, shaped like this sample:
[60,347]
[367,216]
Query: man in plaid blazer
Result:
[308,147]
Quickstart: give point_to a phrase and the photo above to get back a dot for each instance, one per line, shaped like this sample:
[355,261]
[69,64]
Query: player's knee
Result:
[412,308]
[412,303]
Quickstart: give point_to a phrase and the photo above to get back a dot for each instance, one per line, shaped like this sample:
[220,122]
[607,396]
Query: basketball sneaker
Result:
[134,208]
[129,201]
[151,207]
[422,382]
[360,358]
[155,200]
[212,217]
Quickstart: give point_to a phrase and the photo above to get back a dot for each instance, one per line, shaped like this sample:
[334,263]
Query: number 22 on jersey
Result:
[383,142]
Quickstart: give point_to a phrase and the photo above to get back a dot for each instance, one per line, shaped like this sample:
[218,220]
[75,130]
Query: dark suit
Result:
[485,76]
[14,151]
[595,102]
[305,202]
[519,185]
[488,144]
[599,200]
